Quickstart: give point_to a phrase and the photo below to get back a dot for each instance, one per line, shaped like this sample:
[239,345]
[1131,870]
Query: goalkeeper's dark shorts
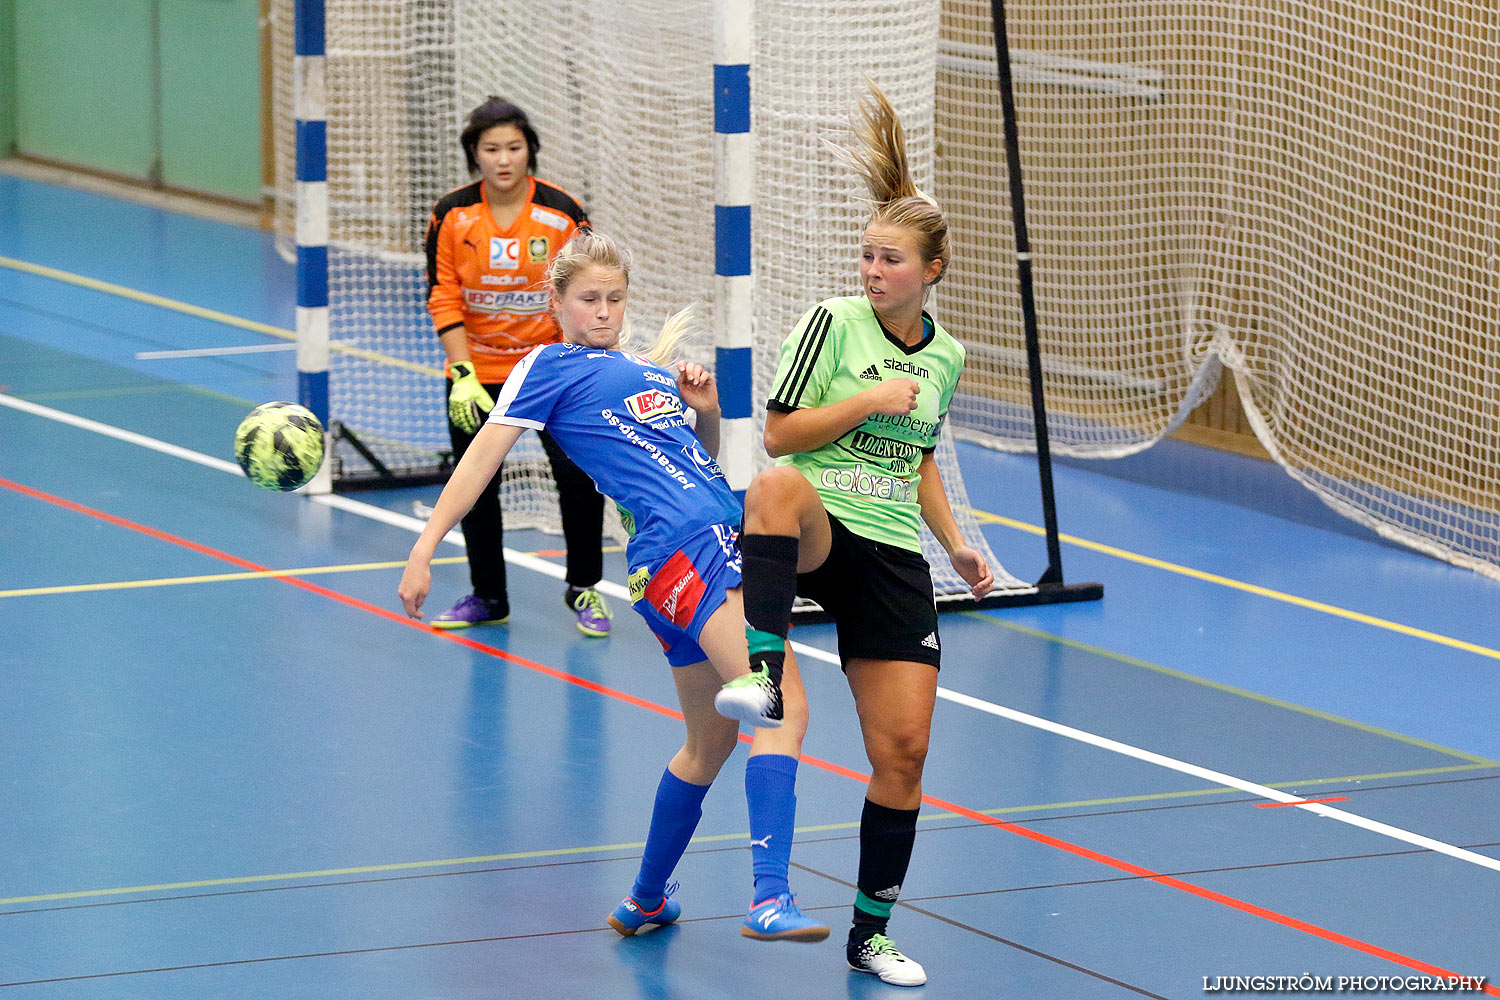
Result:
[880,597]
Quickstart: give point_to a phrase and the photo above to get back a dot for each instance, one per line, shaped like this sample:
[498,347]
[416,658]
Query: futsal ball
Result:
[279,445]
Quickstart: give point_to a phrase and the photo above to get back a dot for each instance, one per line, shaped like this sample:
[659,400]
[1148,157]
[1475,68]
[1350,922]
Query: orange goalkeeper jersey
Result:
[493,281]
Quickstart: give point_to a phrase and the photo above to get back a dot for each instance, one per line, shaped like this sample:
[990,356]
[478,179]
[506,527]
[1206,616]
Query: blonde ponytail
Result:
[673,332]
[880,158]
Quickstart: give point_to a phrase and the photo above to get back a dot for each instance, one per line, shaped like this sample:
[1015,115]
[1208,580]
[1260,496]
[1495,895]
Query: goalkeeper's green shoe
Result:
[593,614]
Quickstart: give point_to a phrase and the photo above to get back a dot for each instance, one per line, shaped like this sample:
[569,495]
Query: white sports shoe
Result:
[752,698]
[879,957]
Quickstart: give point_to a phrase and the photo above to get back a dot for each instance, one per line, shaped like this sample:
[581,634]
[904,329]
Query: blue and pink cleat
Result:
[630,916]
[779,919]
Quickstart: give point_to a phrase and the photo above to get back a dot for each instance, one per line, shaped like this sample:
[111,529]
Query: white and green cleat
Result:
[879,957]
[754,698]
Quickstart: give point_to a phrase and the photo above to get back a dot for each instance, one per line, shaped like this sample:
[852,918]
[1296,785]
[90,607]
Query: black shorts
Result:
[879,596]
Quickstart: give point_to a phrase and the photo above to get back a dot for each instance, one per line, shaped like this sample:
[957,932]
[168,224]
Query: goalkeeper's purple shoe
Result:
[474,610]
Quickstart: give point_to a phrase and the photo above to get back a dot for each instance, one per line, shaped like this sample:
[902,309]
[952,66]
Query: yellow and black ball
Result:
[280,446]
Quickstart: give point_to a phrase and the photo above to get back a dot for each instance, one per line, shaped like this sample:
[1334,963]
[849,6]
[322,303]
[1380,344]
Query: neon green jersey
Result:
[867,478]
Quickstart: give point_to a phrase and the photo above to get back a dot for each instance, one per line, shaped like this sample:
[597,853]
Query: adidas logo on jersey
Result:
[889,895]
[931,642]
[871,373]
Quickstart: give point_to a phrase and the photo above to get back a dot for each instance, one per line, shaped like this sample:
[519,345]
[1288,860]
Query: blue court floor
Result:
[230,766]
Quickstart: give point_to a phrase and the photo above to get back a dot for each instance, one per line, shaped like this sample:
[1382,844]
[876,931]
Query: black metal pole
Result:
[1028,300]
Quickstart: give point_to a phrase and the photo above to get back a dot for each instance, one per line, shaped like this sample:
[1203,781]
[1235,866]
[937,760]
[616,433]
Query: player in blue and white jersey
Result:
[622,418]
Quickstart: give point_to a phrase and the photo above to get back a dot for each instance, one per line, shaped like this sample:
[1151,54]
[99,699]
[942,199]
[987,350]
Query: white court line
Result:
[1220,778]
[526,561]
[130,437]
[213,352]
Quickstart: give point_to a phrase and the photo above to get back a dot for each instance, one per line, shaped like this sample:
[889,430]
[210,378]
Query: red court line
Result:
[1301,802]
[978,817]
[1199,891]
[395,616]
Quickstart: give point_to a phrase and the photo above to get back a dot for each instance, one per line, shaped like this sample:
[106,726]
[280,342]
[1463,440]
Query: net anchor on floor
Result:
[1050,587]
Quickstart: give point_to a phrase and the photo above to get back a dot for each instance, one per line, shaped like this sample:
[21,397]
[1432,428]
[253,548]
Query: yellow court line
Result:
[1161,796]
[163,389]
[1227,688]
[1122,800]
[556,852]
[109,288]
[209,883]
[219,317]
[175,581]
[1249,588]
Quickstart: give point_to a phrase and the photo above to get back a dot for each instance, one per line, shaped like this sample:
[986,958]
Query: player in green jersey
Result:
[856,407]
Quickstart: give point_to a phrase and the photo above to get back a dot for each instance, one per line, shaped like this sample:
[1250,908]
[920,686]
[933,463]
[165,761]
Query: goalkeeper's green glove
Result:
[467,400]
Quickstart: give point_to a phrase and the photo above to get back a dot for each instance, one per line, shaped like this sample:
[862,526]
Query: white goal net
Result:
[1300,193]
[622,96]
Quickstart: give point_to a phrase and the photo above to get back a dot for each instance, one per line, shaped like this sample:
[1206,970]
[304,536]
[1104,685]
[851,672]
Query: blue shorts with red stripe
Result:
[677,593]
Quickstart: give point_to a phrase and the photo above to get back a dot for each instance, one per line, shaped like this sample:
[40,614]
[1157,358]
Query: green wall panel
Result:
[83,83]
[210,53]
[86,89]
[7,77]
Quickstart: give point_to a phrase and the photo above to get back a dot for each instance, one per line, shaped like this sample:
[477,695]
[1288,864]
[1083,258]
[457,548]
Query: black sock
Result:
[886,837]
[770,587]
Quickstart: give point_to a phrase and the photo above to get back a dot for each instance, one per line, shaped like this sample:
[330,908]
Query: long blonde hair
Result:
[591,248]
[880,158]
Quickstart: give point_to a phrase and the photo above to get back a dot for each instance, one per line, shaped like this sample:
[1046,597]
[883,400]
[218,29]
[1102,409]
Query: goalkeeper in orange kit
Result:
[489,245]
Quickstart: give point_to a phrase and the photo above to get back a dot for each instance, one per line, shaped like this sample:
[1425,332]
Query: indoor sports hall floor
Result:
[229,767]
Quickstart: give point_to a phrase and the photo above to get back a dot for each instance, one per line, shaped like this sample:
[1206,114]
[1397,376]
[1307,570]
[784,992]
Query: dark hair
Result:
[497,111]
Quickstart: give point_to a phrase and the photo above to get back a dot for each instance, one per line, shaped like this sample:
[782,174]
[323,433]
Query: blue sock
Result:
[771,790]
[679,806]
